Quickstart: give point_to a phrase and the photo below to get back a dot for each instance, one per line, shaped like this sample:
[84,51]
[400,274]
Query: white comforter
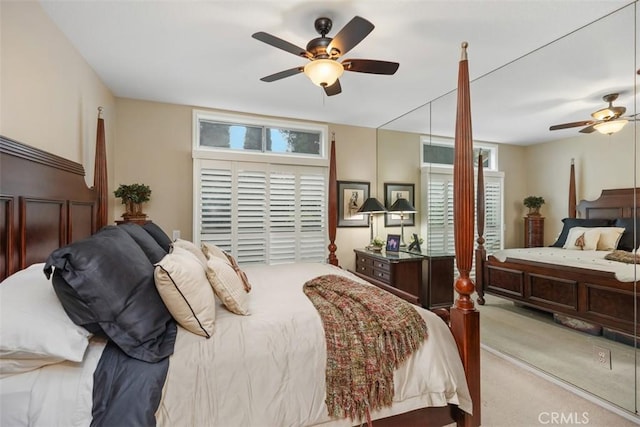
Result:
[591,260]
[266,369]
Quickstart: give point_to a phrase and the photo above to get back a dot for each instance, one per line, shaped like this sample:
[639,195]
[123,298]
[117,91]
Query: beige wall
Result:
[49,94]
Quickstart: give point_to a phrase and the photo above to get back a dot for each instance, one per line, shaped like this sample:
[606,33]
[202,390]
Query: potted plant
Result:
[533,203]
[133,196]
[377,244]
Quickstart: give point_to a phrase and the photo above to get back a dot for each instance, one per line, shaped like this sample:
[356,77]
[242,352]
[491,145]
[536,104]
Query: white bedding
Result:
[592,260]
[267,368]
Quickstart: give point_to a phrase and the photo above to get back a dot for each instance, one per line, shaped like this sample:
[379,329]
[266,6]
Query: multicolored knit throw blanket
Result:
[369,332]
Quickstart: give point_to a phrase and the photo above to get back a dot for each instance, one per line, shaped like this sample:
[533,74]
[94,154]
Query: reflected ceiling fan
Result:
[607,120]
[323,52]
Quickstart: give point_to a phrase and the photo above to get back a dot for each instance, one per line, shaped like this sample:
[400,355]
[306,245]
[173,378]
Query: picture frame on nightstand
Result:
[393,243]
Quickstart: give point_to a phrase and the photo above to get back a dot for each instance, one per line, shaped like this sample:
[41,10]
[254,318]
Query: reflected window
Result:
[440,152]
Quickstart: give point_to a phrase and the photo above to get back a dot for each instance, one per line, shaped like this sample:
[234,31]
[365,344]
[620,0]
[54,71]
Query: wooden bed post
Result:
[333,203]
[572,191]
[465,319]
[481,252]
[100,183]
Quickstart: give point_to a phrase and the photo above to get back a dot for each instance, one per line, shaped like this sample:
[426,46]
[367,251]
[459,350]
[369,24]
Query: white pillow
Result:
[210,250]
[227,285]
[191,247]
[183,286]
[609,238]
[34,328]
[582,238]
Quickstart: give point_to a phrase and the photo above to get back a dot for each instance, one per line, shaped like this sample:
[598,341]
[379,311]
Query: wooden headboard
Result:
[615,203]
[44,204]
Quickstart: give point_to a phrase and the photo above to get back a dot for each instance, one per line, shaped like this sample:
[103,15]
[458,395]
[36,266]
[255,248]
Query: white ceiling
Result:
[201,53]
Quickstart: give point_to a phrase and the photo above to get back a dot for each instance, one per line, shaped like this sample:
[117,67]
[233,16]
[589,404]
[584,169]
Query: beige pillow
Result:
[239,272]
[609,238]
[582,238]
[191,247]
[183,286]
[210,250]
[227,286]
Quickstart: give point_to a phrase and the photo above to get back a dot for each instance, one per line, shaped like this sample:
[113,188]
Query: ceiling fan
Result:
[323,52]
[607,120]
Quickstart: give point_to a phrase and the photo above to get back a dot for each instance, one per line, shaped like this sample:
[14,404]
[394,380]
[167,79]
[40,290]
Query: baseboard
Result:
[565,385]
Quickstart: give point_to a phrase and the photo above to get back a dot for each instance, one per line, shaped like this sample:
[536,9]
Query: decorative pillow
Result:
[148,244]
[34,329]
[191,247]
[159,235]
[210,250]
[105,282]
[569,223]
[227,286]
[239,272]
[626,242]
[609,238]
[582,239]
[185,290]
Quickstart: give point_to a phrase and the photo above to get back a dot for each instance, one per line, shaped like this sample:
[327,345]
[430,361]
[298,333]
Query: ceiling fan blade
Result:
[371,66]
[334,89]
[572,125]
[589,129]
[350,35]
[282,74]
[281,44]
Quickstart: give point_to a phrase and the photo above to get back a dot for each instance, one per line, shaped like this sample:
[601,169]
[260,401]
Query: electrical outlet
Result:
[602,356]
[176,234]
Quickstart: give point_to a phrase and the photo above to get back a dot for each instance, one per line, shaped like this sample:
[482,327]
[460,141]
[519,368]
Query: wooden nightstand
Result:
[422,279]
[533,231]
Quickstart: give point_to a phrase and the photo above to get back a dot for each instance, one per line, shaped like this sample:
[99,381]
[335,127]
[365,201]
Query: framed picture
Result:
[393,242]
[351,195]
[393,192]
[415,245]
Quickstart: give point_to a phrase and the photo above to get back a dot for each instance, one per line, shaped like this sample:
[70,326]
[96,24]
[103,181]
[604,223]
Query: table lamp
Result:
[371,206]
[402,206]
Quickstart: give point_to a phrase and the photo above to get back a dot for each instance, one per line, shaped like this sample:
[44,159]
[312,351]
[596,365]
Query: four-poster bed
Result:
[46,205]
[584,289]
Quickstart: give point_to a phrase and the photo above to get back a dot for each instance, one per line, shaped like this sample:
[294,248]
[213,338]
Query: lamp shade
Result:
[402,205]
[611,126]
[323,72]
[372,205]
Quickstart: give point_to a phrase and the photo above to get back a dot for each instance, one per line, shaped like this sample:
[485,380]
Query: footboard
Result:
[587,295]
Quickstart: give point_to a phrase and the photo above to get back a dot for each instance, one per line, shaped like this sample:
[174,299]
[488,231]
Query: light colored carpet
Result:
[531,338]
[514,396]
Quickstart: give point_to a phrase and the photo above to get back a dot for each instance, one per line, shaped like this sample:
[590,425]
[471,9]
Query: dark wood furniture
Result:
[606,305]
[422,279]
[533,231]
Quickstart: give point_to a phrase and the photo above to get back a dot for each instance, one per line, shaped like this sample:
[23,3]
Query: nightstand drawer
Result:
[364,269]
[364,261]
[382,265]
[383,276]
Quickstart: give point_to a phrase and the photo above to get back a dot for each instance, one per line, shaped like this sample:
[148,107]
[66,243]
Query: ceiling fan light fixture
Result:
[610,127]
[323,72]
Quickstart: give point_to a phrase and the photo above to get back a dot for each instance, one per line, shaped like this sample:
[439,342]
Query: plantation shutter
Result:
[263,213]
[439,211]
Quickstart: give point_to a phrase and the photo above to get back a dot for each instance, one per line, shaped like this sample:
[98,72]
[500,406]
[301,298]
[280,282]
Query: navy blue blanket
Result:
[126,391]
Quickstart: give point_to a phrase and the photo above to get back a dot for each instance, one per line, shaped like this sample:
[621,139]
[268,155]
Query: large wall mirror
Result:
[575,71]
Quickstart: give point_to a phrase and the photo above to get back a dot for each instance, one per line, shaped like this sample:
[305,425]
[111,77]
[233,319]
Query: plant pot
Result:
[534,212]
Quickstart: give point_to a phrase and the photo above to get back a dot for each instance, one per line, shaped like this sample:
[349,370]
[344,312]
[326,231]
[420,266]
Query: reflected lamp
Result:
[402,206]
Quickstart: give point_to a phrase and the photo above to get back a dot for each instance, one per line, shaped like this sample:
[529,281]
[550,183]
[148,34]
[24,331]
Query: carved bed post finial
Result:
[333,203]
[572,190]
[100,183]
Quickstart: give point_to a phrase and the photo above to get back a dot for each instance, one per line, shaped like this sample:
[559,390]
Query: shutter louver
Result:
[313,208]
[251,216]
[215,207]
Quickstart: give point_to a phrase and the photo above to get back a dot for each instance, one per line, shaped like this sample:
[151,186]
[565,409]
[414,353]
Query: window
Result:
[246,134]
[438,151]
[437,214]
[259,206]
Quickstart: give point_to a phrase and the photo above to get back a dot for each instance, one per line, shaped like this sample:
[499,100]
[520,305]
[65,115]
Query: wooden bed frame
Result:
[45,204]
[589,300]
